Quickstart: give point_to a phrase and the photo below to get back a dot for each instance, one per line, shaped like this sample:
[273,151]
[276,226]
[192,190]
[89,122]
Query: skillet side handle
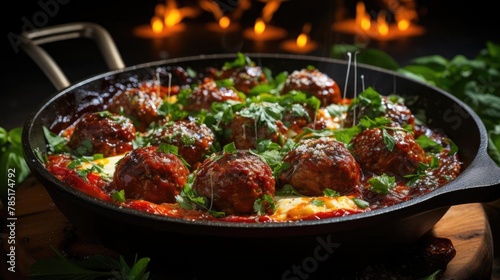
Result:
[31,40]
[481,183]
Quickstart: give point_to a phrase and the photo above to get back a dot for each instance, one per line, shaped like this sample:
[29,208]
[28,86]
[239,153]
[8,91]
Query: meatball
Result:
[393,109]
[315,83]
[102,133]
[244,78]
[232,182]
[323,163]
[150,174]
[202,96]
[193,140]
[139,104]
[374,155]
[245,135]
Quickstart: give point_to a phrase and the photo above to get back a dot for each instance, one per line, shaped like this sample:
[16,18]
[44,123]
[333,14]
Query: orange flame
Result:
[362,17]
[302,40]
[224,22]
[171,14]
[172,17]
[259,26]
[382,25]
[403,24]
[156,24]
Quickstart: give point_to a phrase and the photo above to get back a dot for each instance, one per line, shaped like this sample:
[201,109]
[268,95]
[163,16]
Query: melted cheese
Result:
[108,164]
[296,208]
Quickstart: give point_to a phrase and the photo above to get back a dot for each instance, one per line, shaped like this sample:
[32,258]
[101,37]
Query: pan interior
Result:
[437,107]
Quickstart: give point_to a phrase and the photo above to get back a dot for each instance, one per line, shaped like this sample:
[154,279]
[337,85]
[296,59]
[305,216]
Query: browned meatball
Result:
[321,163]
[102,133]
[150,174]
[192,139]
[139,104]
[394,110]
[315,83]
[244,78]
[234,181]
[398,112]
[206,93]
[374,155]
[245,135]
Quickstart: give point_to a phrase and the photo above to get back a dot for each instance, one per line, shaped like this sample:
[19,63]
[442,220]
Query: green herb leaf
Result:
[78,162]
[382,184]
[93,267]
[56,143]
[370,101]
[428,144]
[361,203]
[422,169]
[172,149]
[240,61]
[13,167]
[189,199]
[264,204]
[230,148]
[345,135]
[119,196]
[436,275]
[287,190]
[317,202]
[389,141]
[265,114]
[330,193]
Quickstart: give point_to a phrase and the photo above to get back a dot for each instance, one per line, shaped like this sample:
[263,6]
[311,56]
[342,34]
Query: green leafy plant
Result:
[476,81]
[93,267]
[14,169]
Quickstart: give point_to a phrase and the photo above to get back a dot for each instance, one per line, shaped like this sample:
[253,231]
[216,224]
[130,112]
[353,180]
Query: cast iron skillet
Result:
[478,182]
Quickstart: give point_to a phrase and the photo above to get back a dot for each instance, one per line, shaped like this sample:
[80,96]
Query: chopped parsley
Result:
[382,184]
[428,144]
[171,149]
[361,203]
[189,199]
[317,202]
[89,164]
[287,190]
[264,204]
[265,114]
[330,193]
[119,196]
[422,170]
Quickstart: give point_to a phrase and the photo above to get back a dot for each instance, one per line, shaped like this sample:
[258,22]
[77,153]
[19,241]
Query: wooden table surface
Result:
[40,225]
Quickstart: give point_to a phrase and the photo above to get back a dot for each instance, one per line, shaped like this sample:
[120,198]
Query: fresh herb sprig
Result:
[422,170]
[11,161]
[382,184]
[92,267]
[189,199]
[85,165]
[264,204]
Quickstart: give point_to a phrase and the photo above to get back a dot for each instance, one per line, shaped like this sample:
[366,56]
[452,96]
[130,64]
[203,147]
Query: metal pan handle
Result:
[480,182]
[31,40]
